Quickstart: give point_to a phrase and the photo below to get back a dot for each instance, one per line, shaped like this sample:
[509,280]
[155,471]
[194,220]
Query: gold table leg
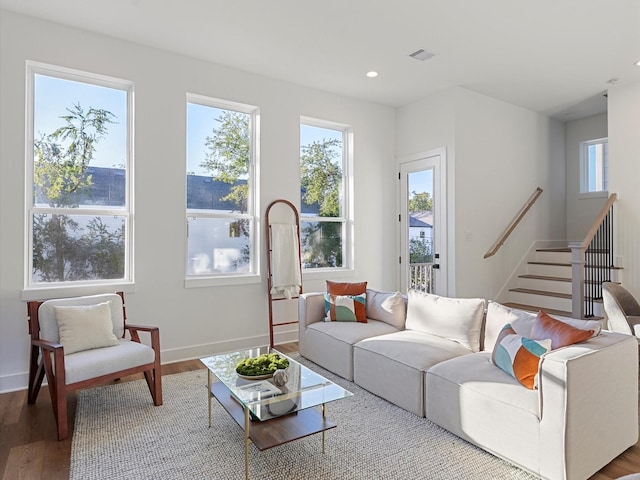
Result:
[246,443]
[324,411]
[209,394]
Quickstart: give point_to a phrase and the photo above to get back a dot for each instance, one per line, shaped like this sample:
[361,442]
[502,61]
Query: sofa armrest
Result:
[589,405]
[310,309]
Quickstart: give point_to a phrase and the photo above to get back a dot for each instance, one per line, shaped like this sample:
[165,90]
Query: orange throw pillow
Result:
[337,288]
[560,333]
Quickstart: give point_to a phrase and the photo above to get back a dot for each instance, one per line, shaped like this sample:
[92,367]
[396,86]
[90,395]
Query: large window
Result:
[323,195]
[221,186]
[78,178]
[594,166]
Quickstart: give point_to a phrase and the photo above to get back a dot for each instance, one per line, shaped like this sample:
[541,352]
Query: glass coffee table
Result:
[271,415]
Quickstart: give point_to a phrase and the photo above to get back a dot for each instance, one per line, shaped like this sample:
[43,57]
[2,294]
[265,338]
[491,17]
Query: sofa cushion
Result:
[560,333]
[330,344]
[352,332]
[389,307]
[392,366]
[457,319]
[522,322]
[473,399]
[519,356]
[346,288]
[345,308]
[84,327]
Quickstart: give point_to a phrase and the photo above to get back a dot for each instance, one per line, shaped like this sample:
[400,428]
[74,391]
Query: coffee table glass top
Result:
[265,400]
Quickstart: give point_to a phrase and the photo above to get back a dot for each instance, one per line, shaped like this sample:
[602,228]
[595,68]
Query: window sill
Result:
[586,195]
[201,282]
[324,273]
[61,291]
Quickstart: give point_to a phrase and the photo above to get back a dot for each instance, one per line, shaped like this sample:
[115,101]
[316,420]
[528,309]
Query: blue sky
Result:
[52,98]
[421,182]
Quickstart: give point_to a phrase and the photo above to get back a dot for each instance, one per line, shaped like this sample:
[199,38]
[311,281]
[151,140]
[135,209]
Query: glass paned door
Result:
[422,265]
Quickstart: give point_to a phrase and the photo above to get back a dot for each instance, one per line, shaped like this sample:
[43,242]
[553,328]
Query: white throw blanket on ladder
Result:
[285,261]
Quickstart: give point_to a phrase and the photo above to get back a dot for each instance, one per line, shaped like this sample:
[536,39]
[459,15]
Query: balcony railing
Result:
[421,277]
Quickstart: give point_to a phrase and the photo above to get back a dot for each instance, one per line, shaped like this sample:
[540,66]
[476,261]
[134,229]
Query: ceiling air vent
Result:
[422,54]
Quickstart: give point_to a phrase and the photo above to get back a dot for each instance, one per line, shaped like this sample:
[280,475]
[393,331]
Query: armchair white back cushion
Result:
[47,316]
[457,319]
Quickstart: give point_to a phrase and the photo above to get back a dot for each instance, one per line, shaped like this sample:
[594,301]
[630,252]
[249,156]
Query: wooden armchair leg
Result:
[36,376]
[154,382]
[58,391]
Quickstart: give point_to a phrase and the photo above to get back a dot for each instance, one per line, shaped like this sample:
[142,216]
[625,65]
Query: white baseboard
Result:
[18,381]
[14,382]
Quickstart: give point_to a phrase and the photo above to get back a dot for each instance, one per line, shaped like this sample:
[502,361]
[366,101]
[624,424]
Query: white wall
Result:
[624,178]
[497,154]
[581,212]
[195,321]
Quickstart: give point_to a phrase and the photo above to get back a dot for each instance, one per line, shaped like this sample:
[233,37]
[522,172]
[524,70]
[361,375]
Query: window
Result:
[78,203]
[323,195]
[594,166]
[221,195]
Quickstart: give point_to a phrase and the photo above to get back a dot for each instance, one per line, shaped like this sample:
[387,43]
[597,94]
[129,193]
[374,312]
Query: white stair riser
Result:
[545,285]
[553,257]
[541,301]
[549,270]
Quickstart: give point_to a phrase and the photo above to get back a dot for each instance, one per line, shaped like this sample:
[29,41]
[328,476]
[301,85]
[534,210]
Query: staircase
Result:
[560,279]
[546,283]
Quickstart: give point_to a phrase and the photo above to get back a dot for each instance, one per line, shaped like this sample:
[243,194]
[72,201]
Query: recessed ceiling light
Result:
[372,74]
[614,81]
[637,64]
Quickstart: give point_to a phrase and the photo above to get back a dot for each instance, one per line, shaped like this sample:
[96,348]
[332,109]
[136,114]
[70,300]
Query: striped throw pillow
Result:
[519,356]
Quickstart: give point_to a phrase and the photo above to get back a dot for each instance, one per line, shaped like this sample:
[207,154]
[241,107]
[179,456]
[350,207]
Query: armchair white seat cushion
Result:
[97,362]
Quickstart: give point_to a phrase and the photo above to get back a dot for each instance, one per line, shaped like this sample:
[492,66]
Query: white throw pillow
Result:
[85,327]
[457,319]
[498,316]
[388,307]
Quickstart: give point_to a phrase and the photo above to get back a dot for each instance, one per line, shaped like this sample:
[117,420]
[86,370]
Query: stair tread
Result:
[546,277]
[554,249]
[550,263]
[533,308]
[541,292]
[551,311]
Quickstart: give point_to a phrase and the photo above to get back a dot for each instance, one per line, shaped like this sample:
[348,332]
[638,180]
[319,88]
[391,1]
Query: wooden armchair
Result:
[89,365]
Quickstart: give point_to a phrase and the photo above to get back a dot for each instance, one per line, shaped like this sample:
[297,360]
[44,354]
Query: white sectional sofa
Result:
[437,363]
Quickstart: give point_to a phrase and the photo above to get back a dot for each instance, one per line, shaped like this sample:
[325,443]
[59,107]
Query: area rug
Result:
[119,434]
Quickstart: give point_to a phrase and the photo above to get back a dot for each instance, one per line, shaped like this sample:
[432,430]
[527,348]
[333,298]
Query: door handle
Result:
[436,266]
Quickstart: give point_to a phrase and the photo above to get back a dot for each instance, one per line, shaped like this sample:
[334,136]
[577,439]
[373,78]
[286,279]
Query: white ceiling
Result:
[552,56]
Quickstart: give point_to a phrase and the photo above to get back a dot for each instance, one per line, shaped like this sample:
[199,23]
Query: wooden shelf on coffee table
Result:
[276,431]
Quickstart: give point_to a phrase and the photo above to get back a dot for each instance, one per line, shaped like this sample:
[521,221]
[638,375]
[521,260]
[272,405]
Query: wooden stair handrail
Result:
[514,223]
[598,221]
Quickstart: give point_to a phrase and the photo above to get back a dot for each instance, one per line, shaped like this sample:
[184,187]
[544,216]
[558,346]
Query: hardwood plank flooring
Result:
[29,448]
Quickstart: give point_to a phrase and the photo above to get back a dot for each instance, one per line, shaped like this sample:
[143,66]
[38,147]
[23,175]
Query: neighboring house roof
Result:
[414,221]
[205,193]
[108,188]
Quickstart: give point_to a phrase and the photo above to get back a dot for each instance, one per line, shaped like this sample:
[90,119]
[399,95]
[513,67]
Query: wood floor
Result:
[29,449]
